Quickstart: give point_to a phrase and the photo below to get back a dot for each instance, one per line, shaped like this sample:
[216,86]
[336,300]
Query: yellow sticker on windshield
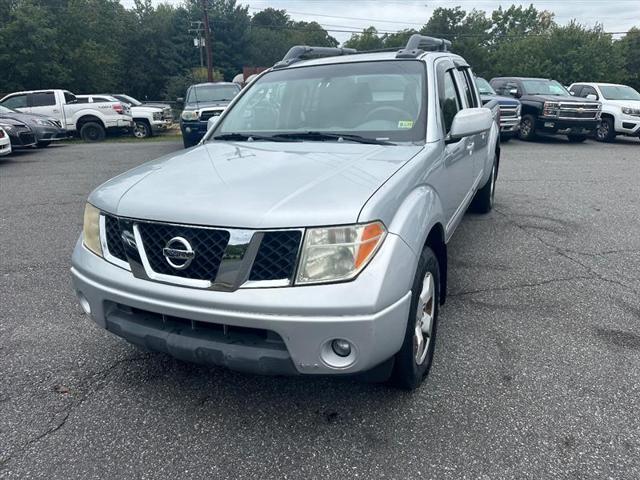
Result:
[405,124]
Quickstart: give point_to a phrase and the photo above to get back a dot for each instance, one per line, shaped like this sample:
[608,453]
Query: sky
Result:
[393,15]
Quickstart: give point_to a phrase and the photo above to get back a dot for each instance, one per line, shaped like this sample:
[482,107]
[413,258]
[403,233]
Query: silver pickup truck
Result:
[307,233]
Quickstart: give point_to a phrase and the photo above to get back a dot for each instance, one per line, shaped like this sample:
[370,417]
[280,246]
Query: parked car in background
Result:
[315,244]
[548,107]
[510,109]
[90,121]
[5,143]
[203,101]
[20,134]
[620,108]
[148,118]
[46,129]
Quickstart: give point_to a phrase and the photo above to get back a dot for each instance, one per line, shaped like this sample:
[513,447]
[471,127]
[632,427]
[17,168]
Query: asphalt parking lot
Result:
[536,373]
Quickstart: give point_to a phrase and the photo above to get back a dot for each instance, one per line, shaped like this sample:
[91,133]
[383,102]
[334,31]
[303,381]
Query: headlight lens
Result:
[44,123]
[338,253]
[630,111]
[6,127]
[550,109]
[157,115]
[190,115]
[91,229]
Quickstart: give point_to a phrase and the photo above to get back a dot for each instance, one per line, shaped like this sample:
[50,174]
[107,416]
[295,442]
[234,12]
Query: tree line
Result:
[92,46]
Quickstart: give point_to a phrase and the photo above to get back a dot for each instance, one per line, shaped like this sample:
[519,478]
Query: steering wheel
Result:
[402,114]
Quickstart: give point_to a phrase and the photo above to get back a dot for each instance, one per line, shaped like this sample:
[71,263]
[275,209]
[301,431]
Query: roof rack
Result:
[304,52]
[418,44]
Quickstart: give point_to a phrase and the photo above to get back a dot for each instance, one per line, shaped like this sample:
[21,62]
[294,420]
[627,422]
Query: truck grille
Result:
[167,114]
[207,114]
[276,257]
[579,110]
[508,111]
[208,244]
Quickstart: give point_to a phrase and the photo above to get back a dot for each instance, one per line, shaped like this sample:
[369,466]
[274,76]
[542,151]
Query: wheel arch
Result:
[88,118]
[435,241]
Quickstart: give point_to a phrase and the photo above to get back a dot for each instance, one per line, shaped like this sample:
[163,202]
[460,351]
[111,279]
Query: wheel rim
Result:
[603,130]
[92,133]
[425,314]
[139,130]
[525,128]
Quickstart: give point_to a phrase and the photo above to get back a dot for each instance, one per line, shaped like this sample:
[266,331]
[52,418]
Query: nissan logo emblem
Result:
[178,253]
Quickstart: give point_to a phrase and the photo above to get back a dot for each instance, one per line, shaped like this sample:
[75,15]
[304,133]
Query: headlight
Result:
[550,109]
[157,115]
[190,115]
[8,128]
[44,123]
[91,229]
[338,253]
[631,111]
[518,110]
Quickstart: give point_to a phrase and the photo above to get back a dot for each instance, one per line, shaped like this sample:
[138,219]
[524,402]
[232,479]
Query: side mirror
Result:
[470,121]
[514,92]
[572,93]
[591,96]
[212,122]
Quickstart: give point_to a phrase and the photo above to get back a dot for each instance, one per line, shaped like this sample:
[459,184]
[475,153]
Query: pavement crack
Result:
[565,253]
[91,386]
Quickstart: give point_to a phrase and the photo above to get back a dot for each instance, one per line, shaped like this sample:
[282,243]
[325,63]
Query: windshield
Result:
[483,87]
[383,101]
[544,87]
[212,93]
[7,110]
[128,99]
[619,92]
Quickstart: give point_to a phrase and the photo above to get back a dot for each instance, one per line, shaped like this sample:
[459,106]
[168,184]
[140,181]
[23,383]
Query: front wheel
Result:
[141,129]
[576,138]
[527,130]
[606,131]
[413,361]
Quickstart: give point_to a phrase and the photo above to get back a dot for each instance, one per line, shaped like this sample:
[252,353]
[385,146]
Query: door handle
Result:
[470,147]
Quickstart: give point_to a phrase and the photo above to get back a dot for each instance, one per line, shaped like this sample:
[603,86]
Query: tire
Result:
[44,144]
[576,138]
[412,362]
[527,130]
[92,132]
[142,129]
[606,131]
[483,200]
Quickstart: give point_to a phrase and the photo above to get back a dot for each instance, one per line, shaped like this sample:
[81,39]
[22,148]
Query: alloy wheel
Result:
[425,314]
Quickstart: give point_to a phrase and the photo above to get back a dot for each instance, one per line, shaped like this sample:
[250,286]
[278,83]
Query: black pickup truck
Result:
[547,107]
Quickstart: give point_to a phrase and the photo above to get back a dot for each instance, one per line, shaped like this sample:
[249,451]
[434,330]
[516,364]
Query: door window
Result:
[468,87]
[449,97]
[43,99]
[576,90]
[17,101]
[587,90]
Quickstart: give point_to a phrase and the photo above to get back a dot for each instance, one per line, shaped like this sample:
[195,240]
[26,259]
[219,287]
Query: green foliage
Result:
[96,46]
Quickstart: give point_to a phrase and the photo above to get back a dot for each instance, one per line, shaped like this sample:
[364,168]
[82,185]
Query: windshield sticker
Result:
[405,124]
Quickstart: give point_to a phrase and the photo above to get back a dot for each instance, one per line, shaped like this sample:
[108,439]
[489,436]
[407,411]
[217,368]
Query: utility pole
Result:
[207,40]
[199,41]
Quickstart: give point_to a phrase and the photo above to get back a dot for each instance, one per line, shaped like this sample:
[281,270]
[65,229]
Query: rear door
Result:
[44,103]
[458,160]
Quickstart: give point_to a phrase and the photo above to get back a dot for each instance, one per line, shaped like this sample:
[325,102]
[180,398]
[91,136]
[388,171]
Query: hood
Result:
[161,106]
[144,109]
[500,99]
[13,120]
[198,105]
[558,98]
[624,103]
[28,118]
[256,185]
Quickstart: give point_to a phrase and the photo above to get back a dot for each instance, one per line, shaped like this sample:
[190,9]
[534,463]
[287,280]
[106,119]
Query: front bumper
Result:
[290,329]
[161,125]
[194,131]
[509,125]
[628,124]
[50,134]
[563,125]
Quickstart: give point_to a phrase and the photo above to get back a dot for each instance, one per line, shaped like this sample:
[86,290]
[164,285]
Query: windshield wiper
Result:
[249,137]
[321,136]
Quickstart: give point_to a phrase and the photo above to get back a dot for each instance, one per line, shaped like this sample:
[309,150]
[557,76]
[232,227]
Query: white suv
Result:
[620,108]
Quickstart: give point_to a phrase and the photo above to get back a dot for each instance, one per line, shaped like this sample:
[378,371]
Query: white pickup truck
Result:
[90,121]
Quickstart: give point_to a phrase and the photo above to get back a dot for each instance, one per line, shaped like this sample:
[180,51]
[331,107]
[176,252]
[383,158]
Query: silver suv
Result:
[307,233]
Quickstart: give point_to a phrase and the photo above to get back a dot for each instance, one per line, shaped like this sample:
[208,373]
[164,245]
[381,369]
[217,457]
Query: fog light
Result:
[84,303]
[341,347]
[188,129]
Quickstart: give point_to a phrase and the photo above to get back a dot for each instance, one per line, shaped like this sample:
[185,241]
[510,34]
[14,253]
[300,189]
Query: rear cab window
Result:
[42,99]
